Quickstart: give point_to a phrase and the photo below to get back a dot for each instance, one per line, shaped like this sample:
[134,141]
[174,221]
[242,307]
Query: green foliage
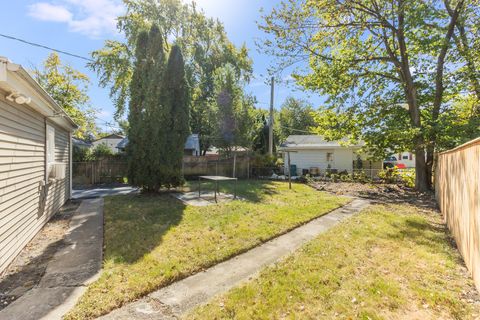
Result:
[80,154]
[177,103]
[407,176]
[158,114]
[68,87]
[389,175]
[101,151]
[260,132]
[371,58]
[295,117]
[205,47]
[234,111]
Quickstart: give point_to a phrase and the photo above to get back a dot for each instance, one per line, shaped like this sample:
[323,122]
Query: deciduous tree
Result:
[371,58]
[68,87]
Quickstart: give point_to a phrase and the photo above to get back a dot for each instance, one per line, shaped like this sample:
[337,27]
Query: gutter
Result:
[6,67]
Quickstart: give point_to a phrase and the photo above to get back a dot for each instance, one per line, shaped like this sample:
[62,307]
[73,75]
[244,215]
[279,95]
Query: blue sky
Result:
[81,26]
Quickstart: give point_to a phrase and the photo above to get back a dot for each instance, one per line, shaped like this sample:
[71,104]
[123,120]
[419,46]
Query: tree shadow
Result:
[425,233]
[136,224]
[250,190]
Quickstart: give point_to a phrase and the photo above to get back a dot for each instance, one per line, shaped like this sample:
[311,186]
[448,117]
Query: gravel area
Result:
[29,266]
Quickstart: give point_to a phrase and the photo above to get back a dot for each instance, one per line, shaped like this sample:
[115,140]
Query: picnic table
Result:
[216,180]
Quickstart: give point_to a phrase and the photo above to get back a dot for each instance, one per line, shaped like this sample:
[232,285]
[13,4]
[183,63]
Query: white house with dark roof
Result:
[191,148]
[312,153]
[111,141]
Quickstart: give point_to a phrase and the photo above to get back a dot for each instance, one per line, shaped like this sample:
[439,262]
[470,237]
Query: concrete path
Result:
[102,192]
[175,300]
[70,270]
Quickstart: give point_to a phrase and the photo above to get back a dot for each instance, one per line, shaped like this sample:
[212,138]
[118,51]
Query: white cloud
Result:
[93,18]
[49,12]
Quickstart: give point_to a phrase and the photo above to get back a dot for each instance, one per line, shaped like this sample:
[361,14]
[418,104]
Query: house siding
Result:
[25,204]
[305,159]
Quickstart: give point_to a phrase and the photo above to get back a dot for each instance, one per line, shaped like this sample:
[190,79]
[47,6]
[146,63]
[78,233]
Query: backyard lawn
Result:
[388,262]
[151,241]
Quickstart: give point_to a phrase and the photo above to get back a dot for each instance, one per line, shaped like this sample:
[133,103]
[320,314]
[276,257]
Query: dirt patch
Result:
[379,193]
[29,266]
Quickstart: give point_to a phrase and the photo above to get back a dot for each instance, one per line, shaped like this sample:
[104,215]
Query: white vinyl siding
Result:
[25,204]
[341,159]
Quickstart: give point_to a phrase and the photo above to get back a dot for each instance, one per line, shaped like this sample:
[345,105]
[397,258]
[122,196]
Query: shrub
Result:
[408,177]
[101,151]
[389,175]
[360,176]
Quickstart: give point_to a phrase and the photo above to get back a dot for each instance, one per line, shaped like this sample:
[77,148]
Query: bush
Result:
[408,177]
[361,176]
[389,175]
[101,151]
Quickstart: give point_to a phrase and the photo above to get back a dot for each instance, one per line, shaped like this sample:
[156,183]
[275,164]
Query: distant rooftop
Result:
[192,143]
[314,142]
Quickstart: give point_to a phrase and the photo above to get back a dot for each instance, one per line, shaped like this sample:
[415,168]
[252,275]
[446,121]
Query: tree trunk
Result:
[430,155]
[421,179]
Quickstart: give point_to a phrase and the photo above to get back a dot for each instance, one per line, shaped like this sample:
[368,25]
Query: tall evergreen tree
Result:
[159,114]
[156,113]
[177,106]
[138,90]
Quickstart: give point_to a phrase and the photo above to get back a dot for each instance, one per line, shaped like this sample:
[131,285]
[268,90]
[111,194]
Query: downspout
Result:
[70,166]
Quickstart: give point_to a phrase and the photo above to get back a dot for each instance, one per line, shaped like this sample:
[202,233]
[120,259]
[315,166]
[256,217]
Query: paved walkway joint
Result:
[175,300]
[72,267]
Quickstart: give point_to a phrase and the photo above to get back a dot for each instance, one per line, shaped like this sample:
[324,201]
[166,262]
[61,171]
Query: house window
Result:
[329,156]
[50,148]
[405,157]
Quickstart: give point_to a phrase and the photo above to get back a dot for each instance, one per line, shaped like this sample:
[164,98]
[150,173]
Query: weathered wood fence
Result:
[115,170]
[457,189]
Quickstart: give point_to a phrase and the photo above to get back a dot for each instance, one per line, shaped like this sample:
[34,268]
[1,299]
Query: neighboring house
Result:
[192,145]
[214,153]
[81,144]
[191,148]
[35,159]
[111,141]
[312,153]
[402,160]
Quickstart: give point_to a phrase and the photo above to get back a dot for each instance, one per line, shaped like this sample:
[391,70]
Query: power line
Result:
[45,47]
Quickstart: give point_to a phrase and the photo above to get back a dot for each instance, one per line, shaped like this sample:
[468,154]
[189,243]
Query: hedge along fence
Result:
[457,189]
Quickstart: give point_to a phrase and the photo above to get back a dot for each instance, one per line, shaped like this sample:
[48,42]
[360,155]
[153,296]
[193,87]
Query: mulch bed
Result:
[27,269]
[379,193]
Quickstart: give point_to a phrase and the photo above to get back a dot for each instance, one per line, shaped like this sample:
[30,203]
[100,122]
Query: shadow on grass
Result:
[251,190]
[136,224]
[426,234]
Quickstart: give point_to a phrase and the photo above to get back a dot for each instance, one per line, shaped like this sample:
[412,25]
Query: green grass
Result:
[151,241]
[388,262]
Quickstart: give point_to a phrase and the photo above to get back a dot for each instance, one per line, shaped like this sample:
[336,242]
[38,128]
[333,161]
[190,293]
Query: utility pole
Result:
[270,123]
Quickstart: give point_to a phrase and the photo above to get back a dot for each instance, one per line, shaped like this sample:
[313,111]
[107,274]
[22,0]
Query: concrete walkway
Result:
[102,192]
[70,270]
[180,297]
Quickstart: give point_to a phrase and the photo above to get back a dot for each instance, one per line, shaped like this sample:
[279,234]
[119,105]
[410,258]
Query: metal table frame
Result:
[216,179]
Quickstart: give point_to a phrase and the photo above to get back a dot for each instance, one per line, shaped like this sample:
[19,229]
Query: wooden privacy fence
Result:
[99,171]
[115,170]
[457,189]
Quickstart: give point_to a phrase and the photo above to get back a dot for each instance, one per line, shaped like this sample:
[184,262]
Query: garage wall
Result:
[25,203]
[305,159]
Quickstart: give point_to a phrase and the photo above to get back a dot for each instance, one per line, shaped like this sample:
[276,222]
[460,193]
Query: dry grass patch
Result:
[388,262]
[151,241]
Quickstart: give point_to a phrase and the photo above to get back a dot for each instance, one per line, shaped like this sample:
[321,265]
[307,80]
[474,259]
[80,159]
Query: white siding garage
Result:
[312,151]
[29,195]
